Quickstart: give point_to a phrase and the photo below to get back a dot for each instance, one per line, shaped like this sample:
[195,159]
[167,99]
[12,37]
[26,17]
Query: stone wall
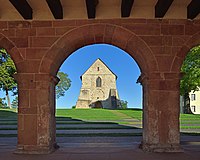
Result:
[90,93]
[38,49]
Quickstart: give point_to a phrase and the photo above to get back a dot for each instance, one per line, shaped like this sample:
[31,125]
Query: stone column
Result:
[36,113]
[161,109]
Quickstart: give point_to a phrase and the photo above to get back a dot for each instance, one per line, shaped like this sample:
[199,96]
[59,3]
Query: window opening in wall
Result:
[193,108]
[193,97]
[98,82]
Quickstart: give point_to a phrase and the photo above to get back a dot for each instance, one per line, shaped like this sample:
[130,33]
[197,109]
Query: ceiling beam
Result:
[162,7]
[91,8]
[56,8]
[126,7]
[23,8]
[193,9]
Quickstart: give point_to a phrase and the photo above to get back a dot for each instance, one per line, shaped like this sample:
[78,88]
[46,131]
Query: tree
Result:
[15,102]
[191,78]
[2,104]
[7,70]
[63,85]
[124,104]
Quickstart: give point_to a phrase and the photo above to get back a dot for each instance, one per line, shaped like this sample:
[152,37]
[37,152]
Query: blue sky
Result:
[116,59]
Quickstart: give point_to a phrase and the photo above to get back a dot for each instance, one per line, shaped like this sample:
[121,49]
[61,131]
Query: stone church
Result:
[98,88]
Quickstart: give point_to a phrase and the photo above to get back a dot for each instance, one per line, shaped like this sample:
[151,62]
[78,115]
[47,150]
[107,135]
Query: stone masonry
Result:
[98,88]
[39,48]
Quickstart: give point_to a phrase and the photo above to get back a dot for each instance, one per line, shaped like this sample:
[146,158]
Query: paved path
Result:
[102,148]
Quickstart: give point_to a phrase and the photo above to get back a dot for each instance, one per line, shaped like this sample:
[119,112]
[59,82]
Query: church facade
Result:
[98,88]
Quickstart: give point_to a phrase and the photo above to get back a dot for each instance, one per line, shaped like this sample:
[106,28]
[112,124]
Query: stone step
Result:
[82,131]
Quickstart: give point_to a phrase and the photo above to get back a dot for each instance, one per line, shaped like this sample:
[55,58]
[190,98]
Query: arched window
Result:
[98,82]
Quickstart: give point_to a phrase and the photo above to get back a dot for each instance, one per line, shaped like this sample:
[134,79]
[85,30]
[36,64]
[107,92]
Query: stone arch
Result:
[11,49]
[98,33]
[181,54]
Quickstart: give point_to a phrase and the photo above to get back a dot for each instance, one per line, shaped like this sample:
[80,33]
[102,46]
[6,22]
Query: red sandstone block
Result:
[179,40]
[3,24]
[64,23]
[153,40]
[162,50]
[45,65]
[22,52]
[177,64]
[19,24]
[42,77]
[42,85]
[157,21]
[179,21]
[176,49]
[183,52]
[63,30]
[28,66]
[16,55]
[35,53]
[86,21]
[172,75]
[41,23]
[172,29]
[167,40]
[28,110]
[132,21]
[23,98]
[191,29]
[46,32]
[8,32]
[99,32]
[33,98]
[164,62]
[20,42]
[30,130]
[120,37]
[42,41]
[25,32]
[5,43]
[109,31]
[144,29]
[165,85]
[20,120]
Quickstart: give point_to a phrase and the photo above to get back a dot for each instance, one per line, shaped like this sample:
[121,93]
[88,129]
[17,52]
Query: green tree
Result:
[191,76]
[15,102]
[63,85]
[2,104]
[124,104]
[7,70]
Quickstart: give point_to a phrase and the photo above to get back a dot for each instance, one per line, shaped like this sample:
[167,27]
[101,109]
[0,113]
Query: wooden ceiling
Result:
[91,9]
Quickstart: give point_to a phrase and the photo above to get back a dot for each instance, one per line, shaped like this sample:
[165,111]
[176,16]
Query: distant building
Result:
[98,88]
[195,102]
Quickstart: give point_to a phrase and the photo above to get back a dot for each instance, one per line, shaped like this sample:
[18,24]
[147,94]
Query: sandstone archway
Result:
[158,135]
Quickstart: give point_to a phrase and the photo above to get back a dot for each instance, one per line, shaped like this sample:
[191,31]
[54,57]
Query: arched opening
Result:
[190,95]
[98,82]
[103,120]
[8,100]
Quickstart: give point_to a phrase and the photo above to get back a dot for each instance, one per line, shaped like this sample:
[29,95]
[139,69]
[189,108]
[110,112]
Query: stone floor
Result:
[103,148]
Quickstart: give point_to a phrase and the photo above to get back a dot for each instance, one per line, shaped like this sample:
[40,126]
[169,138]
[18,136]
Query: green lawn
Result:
[79,115]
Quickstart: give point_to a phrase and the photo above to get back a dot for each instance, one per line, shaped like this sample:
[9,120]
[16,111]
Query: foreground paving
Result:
[103,148]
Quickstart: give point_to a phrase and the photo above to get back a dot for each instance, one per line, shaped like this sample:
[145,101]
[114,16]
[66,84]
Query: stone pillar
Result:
[161,112]
[36,113]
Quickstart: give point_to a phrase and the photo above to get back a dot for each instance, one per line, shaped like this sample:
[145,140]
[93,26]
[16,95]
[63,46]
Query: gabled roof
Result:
[103,64]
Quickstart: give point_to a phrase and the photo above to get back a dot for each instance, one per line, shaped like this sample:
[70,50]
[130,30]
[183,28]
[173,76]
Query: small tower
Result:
[98,88]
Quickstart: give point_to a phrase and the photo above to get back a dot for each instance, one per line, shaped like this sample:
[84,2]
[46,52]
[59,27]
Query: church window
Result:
[97,68]
[98,82]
